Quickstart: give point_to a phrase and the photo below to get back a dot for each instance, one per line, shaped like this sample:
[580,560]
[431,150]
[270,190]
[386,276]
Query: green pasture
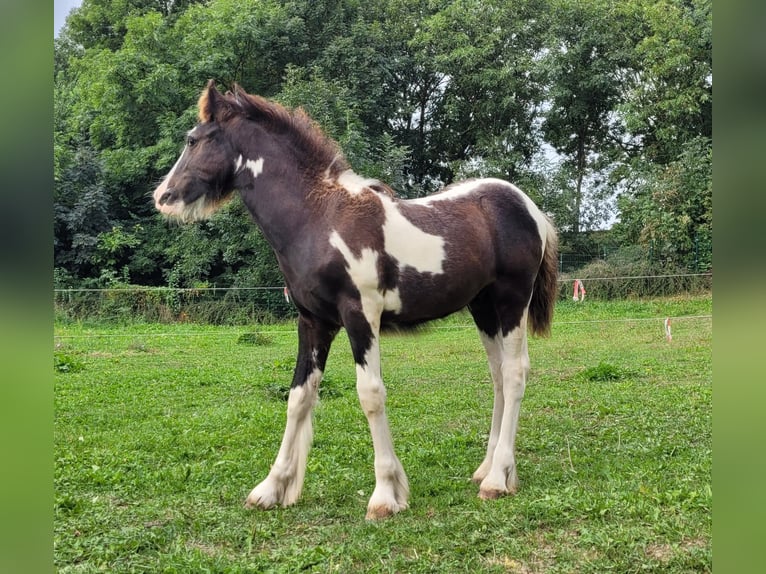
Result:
[162,430]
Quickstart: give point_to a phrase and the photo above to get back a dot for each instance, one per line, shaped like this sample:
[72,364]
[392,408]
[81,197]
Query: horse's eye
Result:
[191,141]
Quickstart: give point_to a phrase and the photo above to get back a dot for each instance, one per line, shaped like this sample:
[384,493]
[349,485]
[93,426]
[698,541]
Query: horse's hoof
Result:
[491,494]
[381,511]
[261,497]
[253,503]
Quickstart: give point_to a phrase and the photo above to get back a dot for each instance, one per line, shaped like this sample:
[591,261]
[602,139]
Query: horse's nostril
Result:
[166,197]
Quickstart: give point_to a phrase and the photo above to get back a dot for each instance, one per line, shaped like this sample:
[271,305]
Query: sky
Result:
[61,9]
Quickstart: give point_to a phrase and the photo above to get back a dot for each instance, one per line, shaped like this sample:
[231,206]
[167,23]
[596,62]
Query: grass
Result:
[161,431]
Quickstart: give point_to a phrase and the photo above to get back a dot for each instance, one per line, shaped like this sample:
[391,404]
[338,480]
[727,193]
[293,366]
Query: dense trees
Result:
[579,102]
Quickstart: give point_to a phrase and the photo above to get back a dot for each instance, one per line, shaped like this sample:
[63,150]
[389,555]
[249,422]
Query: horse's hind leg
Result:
[485,317]
[493,345]
[509,363]
[284,483]
[502,477]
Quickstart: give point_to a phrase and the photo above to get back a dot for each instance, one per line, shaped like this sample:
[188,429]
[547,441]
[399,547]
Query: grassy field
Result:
[162,430]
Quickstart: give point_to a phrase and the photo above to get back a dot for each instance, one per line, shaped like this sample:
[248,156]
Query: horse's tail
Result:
[546,287]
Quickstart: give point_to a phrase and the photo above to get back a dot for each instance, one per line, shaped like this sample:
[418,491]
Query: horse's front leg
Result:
[391,488]
[285,480]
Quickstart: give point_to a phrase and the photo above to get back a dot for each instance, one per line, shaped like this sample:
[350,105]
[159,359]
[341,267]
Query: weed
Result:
[254,338]
[139,346]
[64,362]
[604,372]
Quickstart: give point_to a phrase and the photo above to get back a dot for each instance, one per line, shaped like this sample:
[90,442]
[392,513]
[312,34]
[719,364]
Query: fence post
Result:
[696,253]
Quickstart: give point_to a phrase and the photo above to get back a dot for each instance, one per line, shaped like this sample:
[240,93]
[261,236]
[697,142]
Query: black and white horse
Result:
[355,256]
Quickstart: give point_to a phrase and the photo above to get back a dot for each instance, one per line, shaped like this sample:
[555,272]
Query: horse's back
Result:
[485,215]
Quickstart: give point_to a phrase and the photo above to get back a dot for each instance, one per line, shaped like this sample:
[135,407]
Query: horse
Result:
[355,256]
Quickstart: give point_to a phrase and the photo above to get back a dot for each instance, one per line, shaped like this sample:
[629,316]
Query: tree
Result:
[584,61]
[672,212]
[102,24]
[670,92]
[417,92]
[669,106]
[476,111]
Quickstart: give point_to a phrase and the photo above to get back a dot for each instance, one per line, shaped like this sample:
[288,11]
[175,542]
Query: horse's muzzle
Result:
[168,197]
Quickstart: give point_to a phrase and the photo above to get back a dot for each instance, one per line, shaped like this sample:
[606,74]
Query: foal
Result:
[355,256]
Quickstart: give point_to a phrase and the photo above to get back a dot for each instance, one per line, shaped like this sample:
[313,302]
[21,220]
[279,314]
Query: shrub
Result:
[629,273]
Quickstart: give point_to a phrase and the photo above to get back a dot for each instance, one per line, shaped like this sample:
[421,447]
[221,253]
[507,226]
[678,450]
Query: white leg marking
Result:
[494,348]
[502,476]
[284,483]
[391,488]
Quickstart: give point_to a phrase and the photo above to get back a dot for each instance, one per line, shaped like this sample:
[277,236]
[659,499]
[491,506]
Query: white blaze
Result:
[163,187]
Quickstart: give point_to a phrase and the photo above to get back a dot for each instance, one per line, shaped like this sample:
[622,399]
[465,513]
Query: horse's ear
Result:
[240,95]
[209,101]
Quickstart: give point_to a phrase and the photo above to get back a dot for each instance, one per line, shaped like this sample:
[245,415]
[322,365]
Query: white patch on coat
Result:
[363,271]
[468,187]
[456,191]
[355,183]
[543,225]
[410,245]
[256,167]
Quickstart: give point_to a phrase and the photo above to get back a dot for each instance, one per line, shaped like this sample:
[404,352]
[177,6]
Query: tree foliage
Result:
[577,102]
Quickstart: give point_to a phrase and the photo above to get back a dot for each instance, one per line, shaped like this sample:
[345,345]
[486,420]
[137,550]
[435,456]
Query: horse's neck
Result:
[276,196]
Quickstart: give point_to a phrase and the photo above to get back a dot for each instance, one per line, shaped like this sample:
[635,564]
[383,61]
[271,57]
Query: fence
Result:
[264,305]
[698,259]
[217,306]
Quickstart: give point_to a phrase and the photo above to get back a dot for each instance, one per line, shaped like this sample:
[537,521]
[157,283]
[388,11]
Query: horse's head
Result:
[203,176]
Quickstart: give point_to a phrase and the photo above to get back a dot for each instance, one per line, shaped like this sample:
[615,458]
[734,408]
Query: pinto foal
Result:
[355,256]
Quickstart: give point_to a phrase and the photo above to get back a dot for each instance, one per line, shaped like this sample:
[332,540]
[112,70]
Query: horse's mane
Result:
[323,155]
[303,131]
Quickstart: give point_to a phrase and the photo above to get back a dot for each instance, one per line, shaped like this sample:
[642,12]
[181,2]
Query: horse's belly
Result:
[433,298]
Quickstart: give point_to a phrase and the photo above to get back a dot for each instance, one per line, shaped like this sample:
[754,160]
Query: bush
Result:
[168,305]
[629,273]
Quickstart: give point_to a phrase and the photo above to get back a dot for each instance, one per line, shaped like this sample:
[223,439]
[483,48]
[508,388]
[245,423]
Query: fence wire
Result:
[272,304]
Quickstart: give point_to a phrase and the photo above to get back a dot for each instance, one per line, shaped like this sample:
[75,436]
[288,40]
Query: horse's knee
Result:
[371,391]
[372,395]
[301,400]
